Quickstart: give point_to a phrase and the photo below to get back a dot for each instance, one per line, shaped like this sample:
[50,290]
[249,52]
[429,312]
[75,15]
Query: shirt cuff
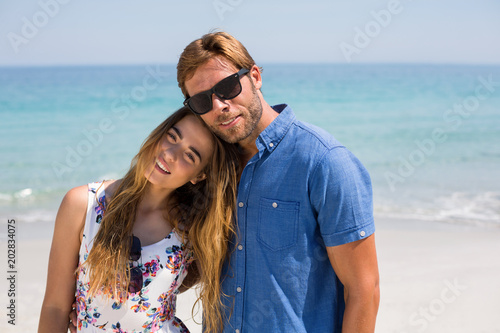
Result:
[350,235]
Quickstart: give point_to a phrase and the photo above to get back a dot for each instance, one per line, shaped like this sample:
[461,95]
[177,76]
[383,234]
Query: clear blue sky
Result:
[156,31]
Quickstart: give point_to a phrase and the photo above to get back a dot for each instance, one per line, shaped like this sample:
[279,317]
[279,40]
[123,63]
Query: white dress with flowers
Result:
[164,266]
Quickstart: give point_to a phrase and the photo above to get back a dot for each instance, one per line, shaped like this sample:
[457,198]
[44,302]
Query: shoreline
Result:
[434,277]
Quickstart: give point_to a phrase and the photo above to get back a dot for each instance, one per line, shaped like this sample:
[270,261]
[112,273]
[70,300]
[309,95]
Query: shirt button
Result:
[240,247]
[271,145]
[275,204]
[238,289]
[362,234]
[237,331]
[241,204]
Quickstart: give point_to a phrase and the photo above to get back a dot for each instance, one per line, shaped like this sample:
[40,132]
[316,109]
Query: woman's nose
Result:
[170,154]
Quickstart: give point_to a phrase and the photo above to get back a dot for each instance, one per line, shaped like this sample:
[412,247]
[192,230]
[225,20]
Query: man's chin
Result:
[231,136]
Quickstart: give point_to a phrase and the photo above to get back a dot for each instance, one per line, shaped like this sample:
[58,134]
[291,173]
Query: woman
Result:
[131,241]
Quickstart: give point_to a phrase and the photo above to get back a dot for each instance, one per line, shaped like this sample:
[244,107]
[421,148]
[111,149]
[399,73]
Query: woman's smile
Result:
[162,166]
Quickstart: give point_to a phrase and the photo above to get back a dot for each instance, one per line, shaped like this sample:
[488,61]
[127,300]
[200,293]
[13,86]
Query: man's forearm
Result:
[361,312]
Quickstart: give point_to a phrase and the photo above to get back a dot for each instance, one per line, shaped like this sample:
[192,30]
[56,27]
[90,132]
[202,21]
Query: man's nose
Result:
[219,104]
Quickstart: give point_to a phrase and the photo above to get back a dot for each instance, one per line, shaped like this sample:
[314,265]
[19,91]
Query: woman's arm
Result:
[63,261]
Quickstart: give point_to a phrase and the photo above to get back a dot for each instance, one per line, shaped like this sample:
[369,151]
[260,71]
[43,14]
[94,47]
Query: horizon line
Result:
[55,65]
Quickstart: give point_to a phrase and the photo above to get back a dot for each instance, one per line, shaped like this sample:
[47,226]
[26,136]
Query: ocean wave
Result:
[6,197]
[479,209]
[31,195]
[30,205]
[484,207]
[21,195]
[32,216]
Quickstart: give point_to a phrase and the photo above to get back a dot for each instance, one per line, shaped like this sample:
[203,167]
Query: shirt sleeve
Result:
[341,195]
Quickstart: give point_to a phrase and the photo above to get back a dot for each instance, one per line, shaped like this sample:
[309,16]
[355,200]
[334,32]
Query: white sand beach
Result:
[434,278]
[438,278]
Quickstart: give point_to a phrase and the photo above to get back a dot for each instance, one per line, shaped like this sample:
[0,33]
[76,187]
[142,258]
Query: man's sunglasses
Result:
[227,88]
[136,281]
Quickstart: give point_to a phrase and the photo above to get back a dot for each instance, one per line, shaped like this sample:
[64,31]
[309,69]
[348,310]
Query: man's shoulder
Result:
[305,132]
[314,146]
[314,136]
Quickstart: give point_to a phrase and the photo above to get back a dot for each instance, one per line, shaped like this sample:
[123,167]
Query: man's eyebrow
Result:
[197,153]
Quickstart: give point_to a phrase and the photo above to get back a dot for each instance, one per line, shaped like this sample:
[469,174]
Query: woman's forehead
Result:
[192,131]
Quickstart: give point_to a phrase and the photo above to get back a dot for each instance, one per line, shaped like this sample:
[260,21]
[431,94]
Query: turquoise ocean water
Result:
[428,134]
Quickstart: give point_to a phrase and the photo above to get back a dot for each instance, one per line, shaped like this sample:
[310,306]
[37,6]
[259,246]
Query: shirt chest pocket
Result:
[278,223]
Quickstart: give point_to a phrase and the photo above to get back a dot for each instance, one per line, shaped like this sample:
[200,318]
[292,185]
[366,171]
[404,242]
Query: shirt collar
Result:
[273,134]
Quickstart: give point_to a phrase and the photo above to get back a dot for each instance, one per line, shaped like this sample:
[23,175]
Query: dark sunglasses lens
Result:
[201,103]
[228,88]
[135,284]
[135,250]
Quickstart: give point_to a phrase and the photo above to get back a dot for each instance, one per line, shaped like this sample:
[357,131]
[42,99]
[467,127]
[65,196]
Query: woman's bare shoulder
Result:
[76,198]
[72,212]
[110,187]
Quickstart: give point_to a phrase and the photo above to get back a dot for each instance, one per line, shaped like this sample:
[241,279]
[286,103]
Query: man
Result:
[304,259]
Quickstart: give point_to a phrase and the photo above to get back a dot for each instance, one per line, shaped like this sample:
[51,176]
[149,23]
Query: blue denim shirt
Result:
[303,191]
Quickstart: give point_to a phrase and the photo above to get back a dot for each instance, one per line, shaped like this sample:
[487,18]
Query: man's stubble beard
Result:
[251,121]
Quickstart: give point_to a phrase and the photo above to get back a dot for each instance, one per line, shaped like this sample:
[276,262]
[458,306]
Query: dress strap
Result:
[96,201]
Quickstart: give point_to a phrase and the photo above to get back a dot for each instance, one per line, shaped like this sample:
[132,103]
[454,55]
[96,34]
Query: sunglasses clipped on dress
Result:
[136,280]
[227,88]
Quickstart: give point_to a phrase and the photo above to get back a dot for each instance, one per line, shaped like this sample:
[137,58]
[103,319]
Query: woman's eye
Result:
[191,157]
[171,136]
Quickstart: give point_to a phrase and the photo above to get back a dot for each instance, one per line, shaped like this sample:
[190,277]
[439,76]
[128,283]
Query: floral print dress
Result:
[164,266]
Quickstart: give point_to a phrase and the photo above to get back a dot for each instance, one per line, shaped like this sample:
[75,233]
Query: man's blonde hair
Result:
[211,45]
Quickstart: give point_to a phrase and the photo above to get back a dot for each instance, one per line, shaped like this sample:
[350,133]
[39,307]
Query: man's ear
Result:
[256,77]
[199,178]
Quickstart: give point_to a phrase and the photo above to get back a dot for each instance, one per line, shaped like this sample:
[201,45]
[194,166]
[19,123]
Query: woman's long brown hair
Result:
[201,213]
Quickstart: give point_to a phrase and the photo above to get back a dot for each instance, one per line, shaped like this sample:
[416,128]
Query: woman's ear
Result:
[199,178]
